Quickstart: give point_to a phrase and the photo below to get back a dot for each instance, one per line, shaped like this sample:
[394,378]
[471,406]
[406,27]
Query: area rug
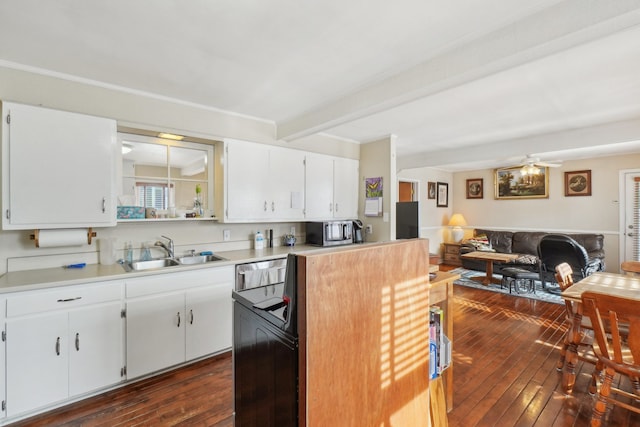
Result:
[540,294]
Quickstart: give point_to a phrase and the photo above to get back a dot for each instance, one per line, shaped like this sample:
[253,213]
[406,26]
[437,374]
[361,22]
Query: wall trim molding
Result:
[549,230]
[514,229]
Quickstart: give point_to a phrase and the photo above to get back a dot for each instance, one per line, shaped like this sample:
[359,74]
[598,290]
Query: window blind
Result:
[636,219]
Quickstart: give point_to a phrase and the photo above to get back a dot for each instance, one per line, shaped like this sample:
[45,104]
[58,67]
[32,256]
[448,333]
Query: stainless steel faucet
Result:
[168,248]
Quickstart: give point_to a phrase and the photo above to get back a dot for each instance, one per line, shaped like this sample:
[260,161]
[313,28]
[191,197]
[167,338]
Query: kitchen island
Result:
[363,331]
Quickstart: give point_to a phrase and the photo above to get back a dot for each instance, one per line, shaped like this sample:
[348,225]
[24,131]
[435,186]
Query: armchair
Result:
[555,249]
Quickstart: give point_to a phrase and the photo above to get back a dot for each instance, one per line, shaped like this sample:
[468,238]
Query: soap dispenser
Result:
[258,241]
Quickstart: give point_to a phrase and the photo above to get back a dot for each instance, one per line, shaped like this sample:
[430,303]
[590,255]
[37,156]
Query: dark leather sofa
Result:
[525,244]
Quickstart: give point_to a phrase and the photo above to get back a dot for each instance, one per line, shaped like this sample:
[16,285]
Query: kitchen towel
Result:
[107,250]
[61,237]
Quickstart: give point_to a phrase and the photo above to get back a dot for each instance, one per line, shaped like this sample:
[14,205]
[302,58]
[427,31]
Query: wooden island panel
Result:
[364,334]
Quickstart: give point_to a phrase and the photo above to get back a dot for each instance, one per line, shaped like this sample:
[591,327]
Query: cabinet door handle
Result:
[58,346]
[336,207]
[178,319]
[273,206]
[104,204]
[191,315]
[69,299]
[265,205]
[330,207]
[77,341]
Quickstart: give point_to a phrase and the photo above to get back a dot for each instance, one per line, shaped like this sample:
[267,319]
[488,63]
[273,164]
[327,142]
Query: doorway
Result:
[630,215]
[408,191]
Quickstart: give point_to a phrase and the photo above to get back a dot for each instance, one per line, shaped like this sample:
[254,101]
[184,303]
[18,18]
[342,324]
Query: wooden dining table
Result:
[614,284]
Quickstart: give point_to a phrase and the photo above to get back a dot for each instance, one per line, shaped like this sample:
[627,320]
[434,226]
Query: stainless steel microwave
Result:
[330,233]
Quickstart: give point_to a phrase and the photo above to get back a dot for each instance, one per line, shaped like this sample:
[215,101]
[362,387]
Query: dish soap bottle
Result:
[146,252]
[128,248]
[258,241]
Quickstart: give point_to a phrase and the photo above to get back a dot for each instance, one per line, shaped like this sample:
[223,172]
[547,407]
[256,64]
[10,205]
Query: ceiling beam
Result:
[565,25]
[583,138]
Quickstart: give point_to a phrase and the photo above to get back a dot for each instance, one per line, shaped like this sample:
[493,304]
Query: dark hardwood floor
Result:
[196,395]
[505,351]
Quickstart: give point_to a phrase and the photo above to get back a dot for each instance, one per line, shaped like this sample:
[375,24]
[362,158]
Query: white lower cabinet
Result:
[97,347]
[209,314]
[62,343]
[177,317]
[155,333]
[69,341]
[3,382]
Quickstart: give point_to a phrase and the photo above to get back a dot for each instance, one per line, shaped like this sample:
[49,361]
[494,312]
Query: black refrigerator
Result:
[407,220]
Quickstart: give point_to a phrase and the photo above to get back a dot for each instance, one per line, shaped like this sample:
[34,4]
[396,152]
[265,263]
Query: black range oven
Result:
[265,353]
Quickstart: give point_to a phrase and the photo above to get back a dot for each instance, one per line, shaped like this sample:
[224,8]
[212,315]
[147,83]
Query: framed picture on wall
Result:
[577,183]
[431,190]
[475,188]
[513,183]
[443,195]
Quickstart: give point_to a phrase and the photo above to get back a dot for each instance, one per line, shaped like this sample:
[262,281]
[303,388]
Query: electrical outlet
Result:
[226,235]
[369,229]
[292,231]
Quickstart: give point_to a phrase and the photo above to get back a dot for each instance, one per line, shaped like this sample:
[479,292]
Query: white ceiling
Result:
[462,84]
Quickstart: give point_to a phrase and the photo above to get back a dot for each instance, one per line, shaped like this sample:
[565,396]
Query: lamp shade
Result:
[457,220]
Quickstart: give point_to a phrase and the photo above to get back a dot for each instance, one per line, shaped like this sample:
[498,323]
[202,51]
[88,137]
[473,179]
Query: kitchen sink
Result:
[149,265]
[170,262]
[200,259]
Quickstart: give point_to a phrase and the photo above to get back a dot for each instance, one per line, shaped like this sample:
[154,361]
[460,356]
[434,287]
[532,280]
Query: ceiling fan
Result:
[531,165]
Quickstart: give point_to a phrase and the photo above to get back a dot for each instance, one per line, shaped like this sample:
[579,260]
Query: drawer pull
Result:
[58,347]
[69,299]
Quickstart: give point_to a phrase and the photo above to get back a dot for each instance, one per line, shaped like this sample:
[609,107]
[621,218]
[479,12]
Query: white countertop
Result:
[53,277]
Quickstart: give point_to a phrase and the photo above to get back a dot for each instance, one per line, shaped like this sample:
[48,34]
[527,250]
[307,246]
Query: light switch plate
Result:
[226,235]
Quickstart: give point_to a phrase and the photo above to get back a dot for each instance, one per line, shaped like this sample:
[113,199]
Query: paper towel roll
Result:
[61,237]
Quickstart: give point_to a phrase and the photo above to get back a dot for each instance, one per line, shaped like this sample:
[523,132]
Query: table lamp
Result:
[457,221]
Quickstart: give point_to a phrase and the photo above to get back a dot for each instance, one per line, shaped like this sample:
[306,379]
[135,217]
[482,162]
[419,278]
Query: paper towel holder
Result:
[36,233]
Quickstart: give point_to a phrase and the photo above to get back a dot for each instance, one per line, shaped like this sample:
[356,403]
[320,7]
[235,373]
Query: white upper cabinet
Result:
[263,182]
[58,169]
[345,188]
[331,187]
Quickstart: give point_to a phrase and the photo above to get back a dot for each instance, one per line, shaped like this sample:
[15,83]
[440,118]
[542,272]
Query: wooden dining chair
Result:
[616,325]
[579,336]
[631,268]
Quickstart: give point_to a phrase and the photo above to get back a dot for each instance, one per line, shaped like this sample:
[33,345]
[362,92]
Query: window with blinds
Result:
[636,219]
[153,195]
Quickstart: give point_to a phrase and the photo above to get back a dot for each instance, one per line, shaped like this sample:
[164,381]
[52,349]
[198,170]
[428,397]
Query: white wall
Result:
[432,218]
[142,111]
[378,159]
[598,213]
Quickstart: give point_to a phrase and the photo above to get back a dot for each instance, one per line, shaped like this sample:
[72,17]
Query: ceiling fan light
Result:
[529,170]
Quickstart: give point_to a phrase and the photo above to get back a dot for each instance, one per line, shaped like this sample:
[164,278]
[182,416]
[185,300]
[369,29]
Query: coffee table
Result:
[489,258]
